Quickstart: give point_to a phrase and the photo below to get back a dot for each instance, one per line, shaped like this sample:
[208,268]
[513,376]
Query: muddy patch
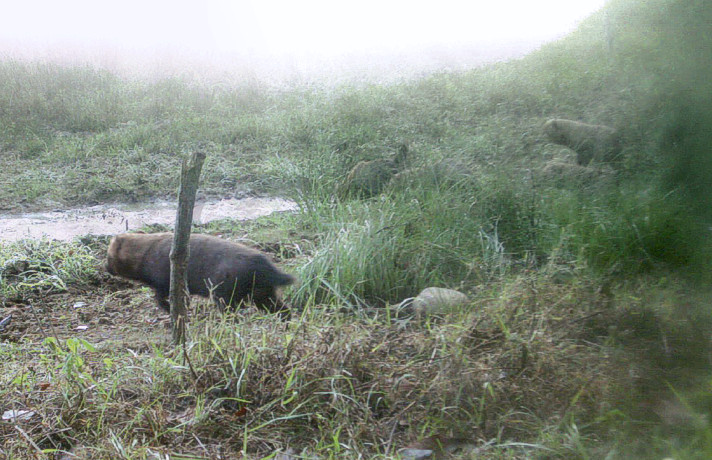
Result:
[65,225]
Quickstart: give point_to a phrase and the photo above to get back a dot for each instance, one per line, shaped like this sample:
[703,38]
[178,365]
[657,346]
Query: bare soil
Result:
[110,310]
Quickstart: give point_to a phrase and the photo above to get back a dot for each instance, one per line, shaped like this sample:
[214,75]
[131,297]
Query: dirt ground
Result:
[113,309]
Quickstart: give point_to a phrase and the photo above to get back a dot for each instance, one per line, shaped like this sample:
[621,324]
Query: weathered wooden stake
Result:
[178,294]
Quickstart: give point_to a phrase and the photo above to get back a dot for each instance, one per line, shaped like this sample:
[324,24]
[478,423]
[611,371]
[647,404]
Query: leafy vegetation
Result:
[588,330]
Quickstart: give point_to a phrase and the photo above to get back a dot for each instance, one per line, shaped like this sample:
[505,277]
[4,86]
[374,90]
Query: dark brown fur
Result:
[234,272]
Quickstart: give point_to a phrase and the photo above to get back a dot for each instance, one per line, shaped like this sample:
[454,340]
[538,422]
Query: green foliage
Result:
[475,138]
[70,360]
[42,266]
[626,230]
[361,258]
[442,225]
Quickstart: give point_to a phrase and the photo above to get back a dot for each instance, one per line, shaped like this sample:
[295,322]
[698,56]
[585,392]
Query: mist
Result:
[281,41]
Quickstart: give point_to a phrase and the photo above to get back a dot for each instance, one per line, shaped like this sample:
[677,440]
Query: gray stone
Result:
[415,454]
[438,301]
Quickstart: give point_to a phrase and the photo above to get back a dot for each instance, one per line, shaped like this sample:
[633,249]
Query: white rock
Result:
[415,454]
[17,415]
[435,301]
[288,454]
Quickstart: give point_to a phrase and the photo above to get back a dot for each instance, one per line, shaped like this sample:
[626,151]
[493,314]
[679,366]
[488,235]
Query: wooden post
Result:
[180,252]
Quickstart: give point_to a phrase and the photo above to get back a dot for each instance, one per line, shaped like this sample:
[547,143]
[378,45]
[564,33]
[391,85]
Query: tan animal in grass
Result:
[369,178]
[590,142]
[234,273]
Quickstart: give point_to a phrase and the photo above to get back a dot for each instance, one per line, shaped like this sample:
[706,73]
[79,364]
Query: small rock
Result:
[17,415]
[437,301]
[80,452]
[438,447]
[415,454]
[288,454]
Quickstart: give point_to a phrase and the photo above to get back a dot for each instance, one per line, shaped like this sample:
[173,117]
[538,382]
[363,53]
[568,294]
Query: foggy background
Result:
[282,40]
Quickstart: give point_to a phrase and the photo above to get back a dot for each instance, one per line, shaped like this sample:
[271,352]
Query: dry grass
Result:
[329,383]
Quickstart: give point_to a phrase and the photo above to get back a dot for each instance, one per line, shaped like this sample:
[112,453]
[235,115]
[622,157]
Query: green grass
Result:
[31,267]
[328,383]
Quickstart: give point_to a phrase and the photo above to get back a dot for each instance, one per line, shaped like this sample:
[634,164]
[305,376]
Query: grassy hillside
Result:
[587,333]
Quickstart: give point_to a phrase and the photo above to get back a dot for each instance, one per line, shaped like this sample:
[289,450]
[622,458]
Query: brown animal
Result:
[233,272]
[369,178]
[590,142]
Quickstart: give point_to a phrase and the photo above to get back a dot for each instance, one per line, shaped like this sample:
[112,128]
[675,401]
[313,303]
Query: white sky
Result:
[281,29]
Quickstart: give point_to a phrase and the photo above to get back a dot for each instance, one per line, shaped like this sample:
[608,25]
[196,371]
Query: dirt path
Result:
[116,218]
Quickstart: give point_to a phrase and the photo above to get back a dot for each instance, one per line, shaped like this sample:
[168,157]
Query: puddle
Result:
[117,218]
